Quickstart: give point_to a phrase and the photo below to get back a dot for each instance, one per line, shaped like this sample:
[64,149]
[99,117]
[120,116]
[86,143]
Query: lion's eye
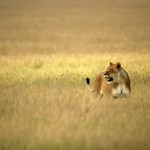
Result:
[111,70]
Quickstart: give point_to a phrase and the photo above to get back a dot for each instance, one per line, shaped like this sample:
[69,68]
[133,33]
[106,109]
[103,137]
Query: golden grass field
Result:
[47,49]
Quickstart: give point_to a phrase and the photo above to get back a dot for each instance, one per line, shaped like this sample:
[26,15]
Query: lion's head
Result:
[112,73]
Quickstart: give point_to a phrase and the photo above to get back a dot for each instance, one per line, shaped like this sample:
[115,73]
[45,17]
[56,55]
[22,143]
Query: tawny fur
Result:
[119,86]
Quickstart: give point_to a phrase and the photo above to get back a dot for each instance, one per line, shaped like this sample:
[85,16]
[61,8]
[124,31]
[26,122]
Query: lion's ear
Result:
[111,63]
[118,65]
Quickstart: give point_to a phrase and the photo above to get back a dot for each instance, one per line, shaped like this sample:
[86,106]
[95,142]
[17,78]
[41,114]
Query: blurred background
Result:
[69,26]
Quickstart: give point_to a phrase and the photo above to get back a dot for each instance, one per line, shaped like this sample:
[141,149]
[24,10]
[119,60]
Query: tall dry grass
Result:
[47,51]
[45,104]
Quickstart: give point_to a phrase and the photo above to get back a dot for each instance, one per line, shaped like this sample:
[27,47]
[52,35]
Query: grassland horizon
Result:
[48,49]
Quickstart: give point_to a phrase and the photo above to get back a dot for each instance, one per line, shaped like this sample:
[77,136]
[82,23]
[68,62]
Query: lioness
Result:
[114,82]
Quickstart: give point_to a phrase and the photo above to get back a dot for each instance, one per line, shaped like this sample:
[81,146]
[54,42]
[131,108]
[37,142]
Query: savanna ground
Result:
[47,49]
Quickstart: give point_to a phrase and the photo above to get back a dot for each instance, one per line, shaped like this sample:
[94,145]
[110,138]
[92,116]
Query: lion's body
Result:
[119,86]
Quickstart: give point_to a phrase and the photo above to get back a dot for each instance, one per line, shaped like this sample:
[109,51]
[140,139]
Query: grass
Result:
[45,104]
[47,51]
